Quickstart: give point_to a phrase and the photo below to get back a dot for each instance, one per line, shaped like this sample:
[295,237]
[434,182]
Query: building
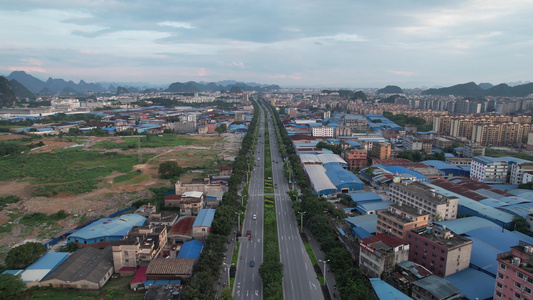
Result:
[139,247]
[472,149]
[40,268]
[105,231]
[202,225]
[181,231]
[356,159]
[439,249]
[421,196]
[191,203]
[322,131]
[514,279]
[381,150]
[488,169]
[434,288]
[381,253]
[518,169]
[87,268]
[459,161]
[398,219]
[170,269]
[191,249]
[412,143]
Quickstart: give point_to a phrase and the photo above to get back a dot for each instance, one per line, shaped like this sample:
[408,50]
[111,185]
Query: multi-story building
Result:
[439,250]
[514,279]
[459,161]
[518,169]
[421,196]
[356,159]
[381,253]
[322,131]
[412,143]
[139,246]
[488,169]
[398,219]
[191,203]
[293,112]
[473,149]
[381,150]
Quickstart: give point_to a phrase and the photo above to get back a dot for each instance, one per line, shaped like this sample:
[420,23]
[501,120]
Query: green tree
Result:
[169,170]
[222,128]
[226,294]
[22,256]
[11,286]
[520,224]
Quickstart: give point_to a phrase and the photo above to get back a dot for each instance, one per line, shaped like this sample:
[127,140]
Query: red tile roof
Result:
[385,238]
[182,227]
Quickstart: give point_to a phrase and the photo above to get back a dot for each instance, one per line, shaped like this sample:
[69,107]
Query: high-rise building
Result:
[514,279]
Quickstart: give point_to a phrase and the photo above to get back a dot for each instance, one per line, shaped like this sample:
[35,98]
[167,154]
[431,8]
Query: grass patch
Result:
[125,177]
[235,255]
[40,218]
[310,253]
[4,201]
[153,141]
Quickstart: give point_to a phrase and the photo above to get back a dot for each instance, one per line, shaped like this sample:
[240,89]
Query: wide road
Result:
[299,278]
[248,283]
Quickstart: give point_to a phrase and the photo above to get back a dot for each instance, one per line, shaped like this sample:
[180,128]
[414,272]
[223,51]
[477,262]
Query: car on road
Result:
[252,263]
[254,217]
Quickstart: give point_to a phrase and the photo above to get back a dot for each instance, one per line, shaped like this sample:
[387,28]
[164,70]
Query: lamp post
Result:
[301,220]
[324,261]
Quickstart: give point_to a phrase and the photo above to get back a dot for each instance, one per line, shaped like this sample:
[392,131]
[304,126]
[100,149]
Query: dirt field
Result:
[110,196]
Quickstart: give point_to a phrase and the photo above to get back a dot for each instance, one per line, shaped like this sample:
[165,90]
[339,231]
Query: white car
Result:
[254,217]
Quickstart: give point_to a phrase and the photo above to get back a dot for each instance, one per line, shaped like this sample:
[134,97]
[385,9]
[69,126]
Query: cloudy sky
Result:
[292,43]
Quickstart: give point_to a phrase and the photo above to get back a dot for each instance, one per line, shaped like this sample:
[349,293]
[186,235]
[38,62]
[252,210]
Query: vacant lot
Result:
[93,179]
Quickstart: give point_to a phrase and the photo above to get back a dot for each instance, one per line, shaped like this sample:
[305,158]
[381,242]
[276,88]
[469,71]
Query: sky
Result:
[292,43]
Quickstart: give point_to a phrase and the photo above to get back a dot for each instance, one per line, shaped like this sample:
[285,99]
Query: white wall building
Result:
[322,131]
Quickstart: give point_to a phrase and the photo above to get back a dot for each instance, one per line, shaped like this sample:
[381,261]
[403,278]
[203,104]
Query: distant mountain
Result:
[21,91]
[390,89]
[195,87]
[471,89]
[485,85]
[7,97]
[53,86]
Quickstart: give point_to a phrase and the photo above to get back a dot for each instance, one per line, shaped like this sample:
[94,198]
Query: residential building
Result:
[380,253]
[381,150]
[418,195]
[472,149]
[139,247]
[412,143]
[398,219]
[459,161]
[439,249]
[322,131]
[191,203]
[356,159]
[518,169]
[488,169]
[514,279]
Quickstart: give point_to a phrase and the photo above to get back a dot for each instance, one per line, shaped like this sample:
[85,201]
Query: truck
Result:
[249,234]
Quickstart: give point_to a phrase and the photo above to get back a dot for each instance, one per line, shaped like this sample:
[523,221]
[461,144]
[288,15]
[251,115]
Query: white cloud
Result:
[176,24]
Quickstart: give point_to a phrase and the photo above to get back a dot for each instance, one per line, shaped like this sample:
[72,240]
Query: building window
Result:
[527,290]
[502,266]
[517,295]
[517,284]
[500,275]
[519,275]
[499,285]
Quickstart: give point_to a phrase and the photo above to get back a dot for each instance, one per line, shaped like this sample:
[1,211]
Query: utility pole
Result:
[324,261]
[301,221]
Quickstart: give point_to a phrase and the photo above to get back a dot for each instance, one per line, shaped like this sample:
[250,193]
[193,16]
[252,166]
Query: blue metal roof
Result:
[204,218]
[462,225]
[365,197]
[338,175]
[49,261]
[403,170]
[373,206]
[483,256]
[191,249]
[386,291]
[495,237]
[439,164]
[474,284]
[118,226]
[366,222]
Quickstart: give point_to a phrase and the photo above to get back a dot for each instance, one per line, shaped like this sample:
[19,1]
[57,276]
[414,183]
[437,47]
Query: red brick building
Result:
[356,159]
[514,279]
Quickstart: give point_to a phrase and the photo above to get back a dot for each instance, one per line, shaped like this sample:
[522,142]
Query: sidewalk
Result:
[331,283]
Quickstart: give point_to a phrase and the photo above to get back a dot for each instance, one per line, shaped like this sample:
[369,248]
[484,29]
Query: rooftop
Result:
[441,235]
[422,191]
[205,217]
[171,266]
[438,287]
[403,213]
[119,226]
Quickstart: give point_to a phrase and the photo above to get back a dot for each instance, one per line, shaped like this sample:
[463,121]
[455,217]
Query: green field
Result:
[154,141]
[71,171]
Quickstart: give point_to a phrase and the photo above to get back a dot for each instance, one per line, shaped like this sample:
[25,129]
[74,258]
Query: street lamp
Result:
[301,220]
[324,261]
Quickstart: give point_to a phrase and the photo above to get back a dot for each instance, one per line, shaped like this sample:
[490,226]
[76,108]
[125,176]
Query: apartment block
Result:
[425,198]
[412,143]
[356,159]
[322,131]
[381,253]
[139,246]
[381,150]
[518,169]
[439,250]
[488,169]
[514,279]
[398,219]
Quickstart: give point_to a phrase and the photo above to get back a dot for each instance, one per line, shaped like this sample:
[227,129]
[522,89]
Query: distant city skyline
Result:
[344,44]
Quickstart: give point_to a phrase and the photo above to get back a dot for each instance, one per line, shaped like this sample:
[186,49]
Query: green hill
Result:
[7,97]
[390,89]
[21,91]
